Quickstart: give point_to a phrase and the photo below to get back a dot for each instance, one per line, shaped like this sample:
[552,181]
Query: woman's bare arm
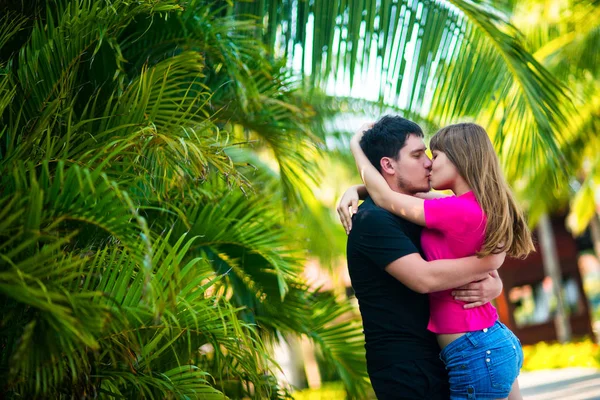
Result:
[405,206]
[430,195]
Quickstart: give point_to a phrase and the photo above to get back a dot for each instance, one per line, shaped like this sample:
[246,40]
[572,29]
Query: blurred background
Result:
[169,172]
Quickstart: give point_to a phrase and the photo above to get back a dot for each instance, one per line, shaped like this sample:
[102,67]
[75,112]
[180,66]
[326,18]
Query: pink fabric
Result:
[455,229]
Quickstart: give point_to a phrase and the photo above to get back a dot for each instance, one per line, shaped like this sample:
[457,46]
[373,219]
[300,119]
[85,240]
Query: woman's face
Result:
[443,173]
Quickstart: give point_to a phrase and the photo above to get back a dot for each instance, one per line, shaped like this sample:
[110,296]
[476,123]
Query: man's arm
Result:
[378,236]
[478,293]
[426,277]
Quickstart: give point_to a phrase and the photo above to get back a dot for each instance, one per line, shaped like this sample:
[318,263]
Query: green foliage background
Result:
[145,248]
[166,170]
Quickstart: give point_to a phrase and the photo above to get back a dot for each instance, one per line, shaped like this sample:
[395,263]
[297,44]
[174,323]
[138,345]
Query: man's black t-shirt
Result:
[394,317]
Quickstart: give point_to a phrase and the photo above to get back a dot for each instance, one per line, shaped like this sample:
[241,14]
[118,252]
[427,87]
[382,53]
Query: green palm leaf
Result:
[334,328]
[187,317]
[251,92]
[49,64]
[128,266]
[561,38]
[445,59]
[246,240]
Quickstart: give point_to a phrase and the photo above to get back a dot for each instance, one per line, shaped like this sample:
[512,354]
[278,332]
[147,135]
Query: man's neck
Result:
[396,188]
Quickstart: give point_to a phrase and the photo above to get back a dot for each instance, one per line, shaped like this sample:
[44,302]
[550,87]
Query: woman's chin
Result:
[435,186]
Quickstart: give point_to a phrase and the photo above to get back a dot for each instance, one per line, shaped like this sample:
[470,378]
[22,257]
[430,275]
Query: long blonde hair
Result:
[469,148]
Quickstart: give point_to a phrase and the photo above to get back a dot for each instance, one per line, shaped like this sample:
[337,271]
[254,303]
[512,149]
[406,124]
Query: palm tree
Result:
[506,67]
[561,35]
[561,38]
[439,60]
[139,256]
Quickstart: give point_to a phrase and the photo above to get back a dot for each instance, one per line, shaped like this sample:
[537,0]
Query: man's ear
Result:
[387,165]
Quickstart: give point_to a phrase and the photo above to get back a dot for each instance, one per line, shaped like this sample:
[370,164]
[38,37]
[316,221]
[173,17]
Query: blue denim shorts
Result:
[483,364]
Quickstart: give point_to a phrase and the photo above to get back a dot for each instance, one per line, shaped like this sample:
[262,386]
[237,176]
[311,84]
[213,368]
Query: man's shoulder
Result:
[369,211]
[370,217]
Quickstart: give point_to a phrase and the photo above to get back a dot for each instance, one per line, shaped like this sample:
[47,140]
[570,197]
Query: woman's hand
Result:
[361,131]
[347,207]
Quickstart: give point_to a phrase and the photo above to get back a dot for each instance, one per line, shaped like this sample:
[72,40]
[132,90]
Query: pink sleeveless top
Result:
[455,229]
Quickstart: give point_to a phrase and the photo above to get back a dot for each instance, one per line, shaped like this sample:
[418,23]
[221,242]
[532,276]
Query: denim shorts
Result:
[483,364]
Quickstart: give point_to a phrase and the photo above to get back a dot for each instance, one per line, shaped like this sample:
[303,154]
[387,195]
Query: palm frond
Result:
[166,94]
[246,240]
[186,382]
[128,266]
[57,194]
[252,90]
[539,192]
[338,334]
[331,324]
[189,318]
[48,65]
[10,25]
[562,35]
[448,60]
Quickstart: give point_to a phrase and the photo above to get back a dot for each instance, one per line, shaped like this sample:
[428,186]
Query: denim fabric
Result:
[483,364]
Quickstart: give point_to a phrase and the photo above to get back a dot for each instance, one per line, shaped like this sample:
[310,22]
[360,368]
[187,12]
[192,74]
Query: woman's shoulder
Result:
[464,203]
[469,202]
[454,213]
[472,211]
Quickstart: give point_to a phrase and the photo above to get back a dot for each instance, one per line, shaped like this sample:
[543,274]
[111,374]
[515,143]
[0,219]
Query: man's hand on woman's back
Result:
[478,293]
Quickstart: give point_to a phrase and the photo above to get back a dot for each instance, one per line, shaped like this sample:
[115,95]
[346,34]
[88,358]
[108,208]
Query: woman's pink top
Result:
[455,229]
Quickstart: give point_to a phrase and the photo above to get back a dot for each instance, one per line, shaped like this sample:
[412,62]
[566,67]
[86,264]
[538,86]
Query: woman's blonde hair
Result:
[469,148]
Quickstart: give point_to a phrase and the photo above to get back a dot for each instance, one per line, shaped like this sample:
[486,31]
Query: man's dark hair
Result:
[387,137]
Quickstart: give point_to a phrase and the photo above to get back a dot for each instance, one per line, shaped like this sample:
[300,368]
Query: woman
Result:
[482,356]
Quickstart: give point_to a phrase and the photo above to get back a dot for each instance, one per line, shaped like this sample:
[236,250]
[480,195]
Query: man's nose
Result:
[428,162]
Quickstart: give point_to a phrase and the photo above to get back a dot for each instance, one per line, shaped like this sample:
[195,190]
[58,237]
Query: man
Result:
[389,275]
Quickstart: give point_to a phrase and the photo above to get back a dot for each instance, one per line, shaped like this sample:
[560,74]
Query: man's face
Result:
[413,167]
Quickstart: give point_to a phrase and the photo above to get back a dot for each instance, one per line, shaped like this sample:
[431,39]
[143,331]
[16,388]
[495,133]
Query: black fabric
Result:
[417,379]
[394,317]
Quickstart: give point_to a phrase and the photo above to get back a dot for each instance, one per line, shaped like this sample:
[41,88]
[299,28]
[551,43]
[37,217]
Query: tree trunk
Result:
[595,230]
[552,269]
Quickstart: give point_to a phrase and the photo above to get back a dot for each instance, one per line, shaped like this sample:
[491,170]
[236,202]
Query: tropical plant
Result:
[505,66]
[139,256]
[441,60]
[562,35]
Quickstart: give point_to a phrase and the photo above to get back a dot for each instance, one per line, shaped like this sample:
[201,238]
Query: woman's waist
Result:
[447,333]
[450,317]
[444,339]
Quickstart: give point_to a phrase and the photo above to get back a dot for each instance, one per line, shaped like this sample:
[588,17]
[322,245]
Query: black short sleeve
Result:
[380,237]
[394,317]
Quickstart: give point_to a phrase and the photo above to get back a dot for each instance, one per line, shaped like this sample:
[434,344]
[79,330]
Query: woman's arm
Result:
[348,204]
[430,195]
[405,206]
